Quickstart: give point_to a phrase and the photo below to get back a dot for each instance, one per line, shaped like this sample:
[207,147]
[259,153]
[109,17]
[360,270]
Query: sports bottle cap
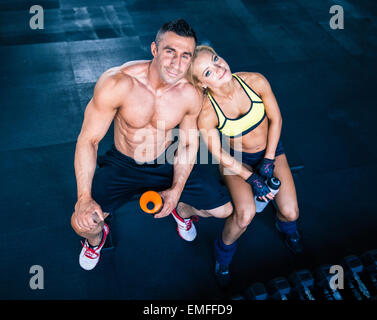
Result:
[151,202]
[274,183]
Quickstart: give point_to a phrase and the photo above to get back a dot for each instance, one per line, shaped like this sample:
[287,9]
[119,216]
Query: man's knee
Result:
[227,210]
[244,216]
[220,212]
[81,232]
[290,212]
[74,224]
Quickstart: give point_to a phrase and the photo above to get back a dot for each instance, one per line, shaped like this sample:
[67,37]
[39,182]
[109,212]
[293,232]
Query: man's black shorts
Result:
[118,178]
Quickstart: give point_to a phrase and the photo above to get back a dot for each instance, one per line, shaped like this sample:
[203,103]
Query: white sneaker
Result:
[186,229]
[89,256]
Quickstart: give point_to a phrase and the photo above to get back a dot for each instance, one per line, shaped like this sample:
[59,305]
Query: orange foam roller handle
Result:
[151,197]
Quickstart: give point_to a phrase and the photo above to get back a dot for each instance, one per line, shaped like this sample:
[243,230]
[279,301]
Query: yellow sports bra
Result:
[245,123]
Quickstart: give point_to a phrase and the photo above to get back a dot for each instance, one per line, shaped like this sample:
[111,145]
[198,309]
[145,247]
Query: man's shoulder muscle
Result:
[207,118]
[192,96]
[111,87]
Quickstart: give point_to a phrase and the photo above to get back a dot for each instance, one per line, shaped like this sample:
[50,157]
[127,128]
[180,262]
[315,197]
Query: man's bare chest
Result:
[143,108]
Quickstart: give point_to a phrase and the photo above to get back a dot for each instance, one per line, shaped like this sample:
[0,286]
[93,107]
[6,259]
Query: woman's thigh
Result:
[286,198]
[241,193]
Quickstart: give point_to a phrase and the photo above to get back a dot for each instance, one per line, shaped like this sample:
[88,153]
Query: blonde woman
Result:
[242,108]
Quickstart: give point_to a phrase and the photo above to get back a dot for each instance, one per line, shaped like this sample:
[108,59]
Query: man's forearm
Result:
[183,163]
[85,165]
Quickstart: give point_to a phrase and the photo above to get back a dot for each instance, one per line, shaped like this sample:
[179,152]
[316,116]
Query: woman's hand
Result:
[265,168]
[260,189]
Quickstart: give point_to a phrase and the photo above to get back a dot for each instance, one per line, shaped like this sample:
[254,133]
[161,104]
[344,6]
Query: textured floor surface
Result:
[324,81]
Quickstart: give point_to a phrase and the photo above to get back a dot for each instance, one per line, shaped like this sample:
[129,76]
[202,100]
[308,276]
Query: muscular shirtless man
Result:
[146,100]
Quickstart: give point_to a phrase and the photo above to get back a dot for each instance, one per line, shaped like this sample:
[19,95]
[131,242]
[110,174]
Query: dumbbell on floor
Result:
[369,260]
[279,288]
[353,268]
[302,281]
[323,278]
[256,291]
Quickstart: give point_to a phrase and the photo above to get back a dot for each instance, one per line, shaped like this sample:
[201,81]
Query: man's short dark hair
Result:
[179,27]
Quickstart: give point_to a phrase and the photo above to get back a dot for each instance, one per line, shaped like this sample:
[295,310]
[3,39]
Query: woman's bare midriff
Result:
[253,141]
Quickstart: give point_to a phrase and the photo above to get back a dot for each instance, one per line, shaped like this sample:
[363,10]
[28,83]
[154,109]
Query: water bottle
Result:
[274,185]
[151,202]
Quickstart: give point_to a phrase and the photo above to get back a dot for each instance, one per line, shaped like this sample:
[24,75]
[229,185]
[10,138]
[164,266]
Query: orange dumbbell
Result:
[151,202]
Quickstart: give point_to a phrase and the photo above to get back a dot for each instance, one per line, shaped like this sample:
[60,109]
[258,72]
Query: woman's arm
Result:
[207,123]
[207,126]
[263,88]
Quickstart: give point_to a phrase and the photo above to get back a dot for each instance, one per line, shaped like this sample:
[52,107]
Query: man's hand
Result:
[88,214]
[170,198]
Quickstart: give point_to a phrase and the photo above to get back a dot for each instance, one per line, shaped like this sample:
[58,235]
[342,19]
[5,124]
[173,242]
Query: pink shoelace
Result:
[89,252]
[188,222]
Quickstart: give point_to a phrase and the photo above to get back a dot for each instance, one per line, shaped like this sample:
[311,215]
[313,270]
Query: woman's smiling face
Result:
[211,70]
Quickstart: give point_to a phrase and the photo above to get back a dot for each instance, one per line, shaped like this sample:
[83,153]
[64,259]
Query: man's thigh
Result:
[113,186]
[204,189]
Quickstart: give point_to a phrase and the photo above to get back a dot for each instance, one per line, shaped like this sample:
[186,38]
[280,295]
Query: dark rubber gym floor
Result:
[324,81]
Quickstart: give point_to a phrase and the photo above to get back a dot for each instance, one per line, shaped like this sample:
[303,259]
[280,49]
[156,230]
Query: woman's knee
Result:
[291,213]
[244,216]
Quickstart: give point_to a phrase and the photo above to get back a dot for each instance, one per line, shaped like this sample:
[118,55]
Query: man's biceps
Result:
[103,109]
[189,121]
[189,130]
[94,130]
